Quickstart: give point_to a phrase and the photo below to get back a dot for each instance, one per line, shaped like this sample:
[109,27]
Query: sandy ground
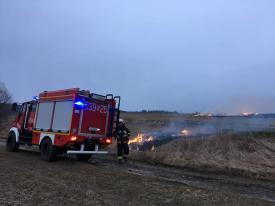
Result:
[26,180]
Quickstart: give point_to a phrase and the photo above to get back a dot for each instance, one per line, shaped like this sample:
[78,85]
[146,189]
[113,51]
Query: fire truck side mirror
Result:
[14,107]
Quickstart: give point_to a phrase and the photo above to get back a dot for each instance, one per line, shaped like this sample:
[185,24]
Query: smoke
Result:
[204,127]
[249,103]
[200,126]
[217,125]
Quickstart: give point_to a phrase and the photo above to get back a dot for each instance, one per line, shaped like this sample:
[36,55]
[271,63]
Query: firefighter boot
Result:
[125,158]
[119,158]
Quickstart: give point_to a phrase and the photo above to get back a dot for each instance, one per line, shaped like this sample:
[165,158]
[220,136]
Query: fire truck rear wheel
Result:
[83,157]
[47,150]
[12,145]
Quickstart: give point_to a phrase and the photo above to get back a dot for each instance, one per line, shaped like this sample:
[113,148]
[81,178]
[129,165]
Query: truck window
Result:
[23,108]
[62,116]
[44,115]
[33,107]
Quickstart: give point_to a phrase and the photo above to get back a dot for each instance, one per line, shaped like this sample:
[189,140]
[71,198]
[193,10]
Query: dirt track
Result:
[26,180]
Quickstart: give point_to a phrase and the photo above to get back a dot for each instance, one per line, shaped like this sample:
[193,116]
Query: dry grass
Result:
[246,155]
[26,180]
[142,122]
[5,124]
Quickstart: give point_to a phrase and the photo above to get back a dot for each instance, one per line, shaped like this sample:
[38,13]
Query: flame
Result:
[140,139]
[246,114]
[150,139]
[185,132]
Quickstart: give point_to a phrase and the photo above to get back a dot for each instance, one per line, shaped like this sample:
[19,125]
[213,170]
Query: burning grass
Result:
[247,154]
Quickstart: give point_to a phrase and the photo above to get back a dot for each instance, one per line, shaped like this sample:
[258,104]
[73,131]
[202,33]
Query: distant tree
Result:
[5,98]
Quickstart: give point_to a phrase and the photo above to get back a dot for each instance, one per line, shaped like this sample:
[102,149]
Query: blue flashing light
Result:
[35,98]
[80,104]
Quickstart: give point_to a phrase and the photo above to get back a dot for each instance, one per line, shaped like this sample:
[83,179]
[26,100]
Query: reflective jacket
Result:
[122,133]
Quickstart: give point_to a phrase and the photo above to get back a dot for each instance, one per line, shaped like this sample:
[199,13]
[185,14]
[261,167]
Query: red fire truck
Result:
[70,121]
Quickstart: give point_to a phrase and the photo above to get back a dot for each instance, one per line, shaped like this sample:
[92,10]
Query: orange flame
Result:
[140,139]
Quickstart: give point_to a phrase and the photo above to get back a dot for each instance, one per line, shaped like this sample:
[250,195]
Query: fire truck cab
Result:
[70,121]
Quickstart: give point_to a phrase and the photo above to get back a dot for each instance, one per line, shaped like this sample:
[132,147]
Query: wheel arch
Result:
[43,136]
[16,133]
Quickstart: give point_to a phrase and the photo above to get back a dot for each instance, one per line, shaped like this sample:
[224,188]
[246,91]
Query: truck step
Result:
[86,152]
[24,142]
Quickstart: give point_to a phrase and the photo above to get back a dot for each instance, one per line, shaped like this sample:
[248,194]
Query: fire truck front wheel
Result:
[47,150]
[12,145]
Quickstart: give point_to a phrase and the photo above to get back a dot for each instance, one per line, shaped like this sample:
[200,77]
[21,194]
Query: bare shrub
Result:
[5,100]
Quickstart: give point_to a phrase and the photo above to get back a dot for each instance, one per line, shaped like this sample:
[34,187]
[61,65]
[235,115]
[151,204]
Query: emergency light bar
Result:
[80,104]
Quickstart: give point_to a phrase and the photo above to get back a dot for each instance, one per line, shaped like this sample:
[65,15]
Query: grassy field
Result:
[246,155]
[250,154]
[27,180]
[147,122]
[5,124]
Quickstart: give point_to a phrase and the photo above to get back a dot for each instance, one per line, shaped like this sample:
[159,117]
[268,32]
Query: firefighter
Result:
[122,137]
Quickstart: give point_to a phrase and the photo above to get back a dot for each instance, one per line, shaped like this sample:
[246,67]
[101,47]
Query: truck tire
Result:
[83,157]
[47,150]
[12,145]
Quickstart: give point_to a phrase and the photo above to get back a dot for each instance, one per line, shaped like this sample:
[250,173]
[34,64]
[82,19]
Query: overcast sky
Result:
[215,55]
